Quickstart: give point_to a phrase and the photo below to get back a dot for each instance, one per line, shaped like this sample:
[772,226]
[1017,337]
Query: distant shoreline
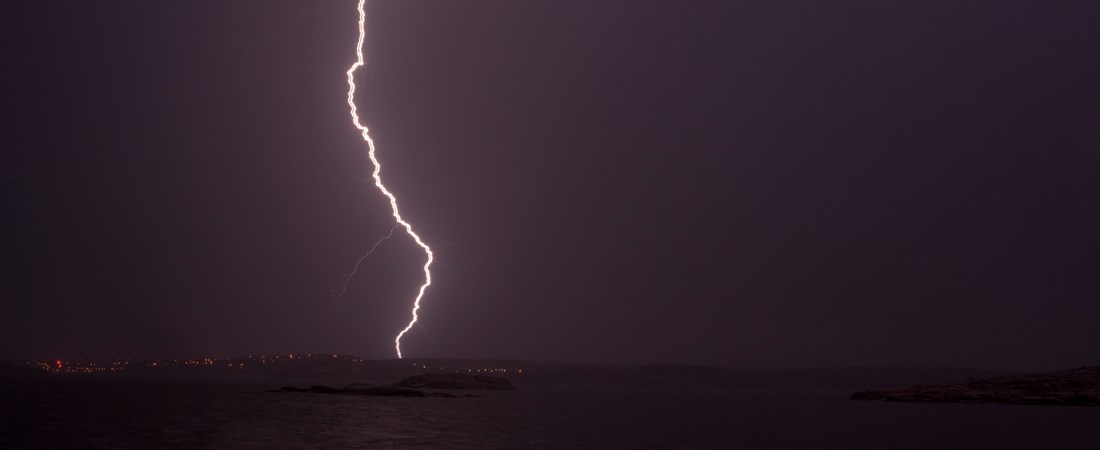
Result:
[347,369]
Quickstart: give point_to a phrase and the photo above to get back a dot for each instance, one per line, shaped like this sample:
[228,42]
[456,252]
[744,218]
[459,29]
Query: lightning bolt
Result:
[378,180]
[339,292]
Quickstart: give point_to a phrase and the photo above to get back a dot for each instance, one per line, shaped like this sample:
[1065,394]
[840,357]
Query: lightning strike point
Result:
[378,179]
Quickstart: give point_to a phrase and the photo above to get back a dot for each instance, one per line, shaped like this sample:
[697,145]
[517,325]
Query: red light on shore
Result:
[59,364]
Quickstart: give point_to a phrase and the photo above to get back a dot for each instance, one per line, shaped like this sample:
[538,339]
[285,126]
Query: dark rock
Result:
[383,391]
[868,395]
[455,381]
[402,388]
[1077,387]
[379,391]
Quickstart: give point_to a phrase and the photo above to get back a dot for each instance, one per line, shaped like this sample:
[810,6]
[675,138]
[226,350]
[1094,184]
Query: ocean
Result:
[123,412]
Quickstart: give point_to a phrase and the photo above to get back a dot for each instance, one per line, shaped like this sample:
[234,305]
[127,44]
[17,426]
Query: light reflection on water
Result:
[117,412]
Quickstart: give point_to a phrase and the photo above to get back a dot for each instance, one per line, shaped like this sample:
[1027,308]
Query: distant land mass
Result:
[343,369]
[1078,387]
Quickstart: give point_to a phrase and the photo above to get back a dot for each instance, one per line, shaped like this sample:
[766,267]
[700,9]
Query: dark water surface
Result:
[93,412]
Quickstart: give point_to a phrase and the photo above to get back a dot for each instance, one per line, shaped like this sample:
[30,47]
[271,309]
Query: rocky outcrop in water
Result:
[408,386]
[1076,387]
[378,391]
[454,381]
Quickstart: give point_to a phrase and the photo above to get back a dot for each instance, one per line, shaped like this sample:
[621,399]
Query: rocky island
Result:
[376,391]
[1076,387]
[455,381]
[408,387]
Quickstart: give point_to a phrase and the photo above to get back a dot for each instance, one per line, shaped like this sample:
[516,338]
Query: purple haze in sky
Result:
[751,183]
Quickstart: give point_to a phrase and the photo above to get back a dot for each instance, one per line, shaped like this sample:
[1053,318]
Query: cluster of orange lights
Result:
[264,359]
[60,366]
[109,366]
[470,369]
[210,362]
[495,370]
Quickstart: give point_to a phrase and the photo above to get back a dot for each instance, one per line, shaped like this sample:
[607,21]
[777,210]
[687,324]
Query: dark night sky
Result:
[752,183]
